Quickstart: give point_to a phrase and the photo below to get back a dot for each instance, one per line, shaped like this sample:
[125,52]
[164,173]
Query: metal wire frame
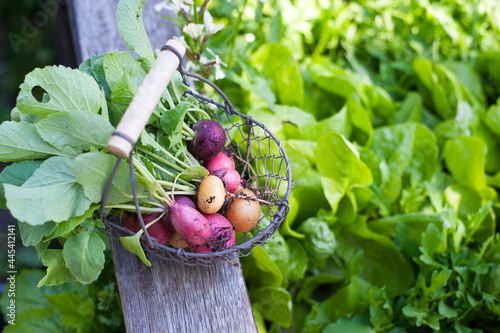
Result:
[257,144]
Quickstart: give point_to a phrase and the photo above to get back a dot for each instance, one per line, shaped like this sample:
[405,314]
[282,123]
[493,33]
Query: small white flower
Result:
[210,26]
[219,73]
[174,5]
[193,30]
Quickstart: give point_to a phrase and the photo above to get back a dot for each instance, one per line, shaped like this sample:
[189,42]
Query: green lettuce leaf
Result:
[67,90]
[92,172]
[340,167]
[16,174]
[21,141]
[57,272]
[131,29]
[80,130]
[83,254]
[50,194]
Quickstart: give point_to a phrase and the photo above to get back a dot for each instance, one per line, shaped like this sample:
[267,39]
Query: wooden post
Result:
[166,297]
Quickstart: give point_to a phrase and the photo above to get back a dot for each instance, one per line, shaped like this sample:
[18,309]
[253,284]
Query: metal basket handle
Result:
[149,93]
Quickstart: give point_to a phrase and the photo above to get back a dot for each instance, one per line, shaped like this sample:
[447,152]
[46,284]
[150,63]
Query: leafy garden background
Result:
[389,112]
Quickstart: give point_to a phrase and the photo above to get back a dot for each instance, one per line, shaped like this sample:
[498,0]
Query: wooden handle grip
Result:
[149,93]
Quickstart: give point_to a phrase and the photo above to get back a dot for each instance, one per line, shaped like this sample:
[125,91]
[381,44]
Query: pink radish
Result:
[223,236]
[191,225]
[180,199]
[230,178]
[221,161]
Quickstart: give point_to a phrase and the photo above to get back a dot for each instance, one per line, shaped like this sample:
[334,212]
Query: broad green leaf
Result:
[333,79]
[464,158]
[417,223]
[400,152]
[45,320]
[123,92]
[436,86]
[65,227]
[277,249]
[297,264]
[171,122]
[358,324]
[276,62]
[380,103]
[492,141]
[463,199]
[274,303]
[73,308]
[97,63]
[117,64]
[33,234]
[340,167]
[294,115]
[133,244]
[21,141]
[410,109]
[29,297]
[68,90]
[286,226]
[313,282]
[407,148]
[373,256]
[83,254]
[320,241]
[260,270]
[195,171]
[349,299]
[57,272]
[131,29]
[92,171]
[259,320]
[467,77]
[362,129]
[51,194]
[492,118]
[16,174]
[81,130]
[309,193]
[257,86]
[338,122]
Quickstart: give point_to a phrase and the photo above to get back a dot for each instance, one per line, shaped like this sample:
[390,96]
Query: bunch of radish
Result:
[207,221]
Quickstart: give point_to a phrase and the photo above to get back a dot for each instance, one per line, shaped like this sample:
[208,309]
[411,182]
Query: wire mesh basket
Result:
[263,166]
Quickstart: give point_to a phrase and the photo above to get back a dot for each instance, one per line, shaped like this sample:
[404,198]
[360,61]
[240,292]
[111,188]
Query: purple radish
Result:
[191,225]
[230,178]
[131,223]
[221,161]
[209,140]
[223,236]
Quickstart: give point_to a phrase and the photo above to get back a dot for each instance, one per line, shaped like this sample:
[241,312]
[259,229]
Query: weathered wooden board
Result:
[181,298]
[166,297]
[94,27]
